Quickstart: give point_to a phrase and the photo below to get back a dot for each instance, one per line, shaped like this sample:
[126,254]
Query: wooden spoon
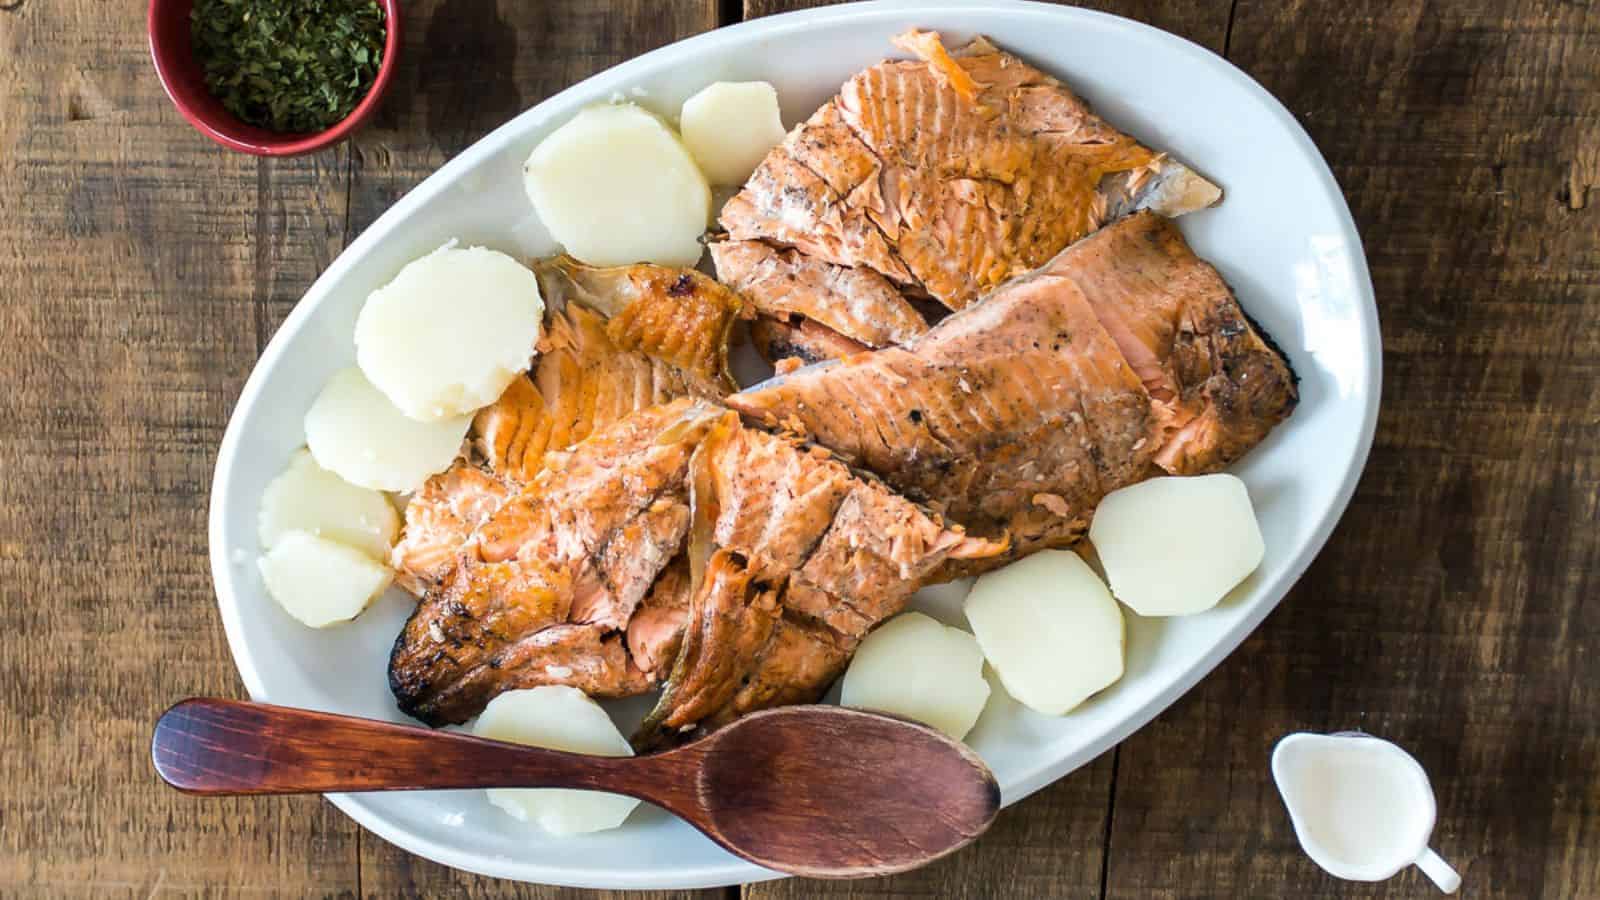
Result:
[820,791]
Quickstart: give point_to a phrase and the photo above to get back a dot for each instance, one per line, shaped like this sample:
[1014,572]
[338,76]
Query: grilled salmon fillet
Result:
[617,340]
[1216,381]
[624,338]
[794,558]
[944,176]
[545,591]
[1016,415]
[588,576]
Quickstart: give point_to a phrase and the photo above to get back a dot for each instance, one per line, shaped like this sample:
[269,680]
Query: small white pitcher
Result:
[1362,807]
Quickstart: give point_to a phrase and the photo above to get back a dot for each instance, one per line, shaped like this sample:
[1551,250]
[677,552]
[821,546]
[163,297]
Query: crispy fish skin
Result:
[543,593]
[949,174]
[1017,415]
[678,316]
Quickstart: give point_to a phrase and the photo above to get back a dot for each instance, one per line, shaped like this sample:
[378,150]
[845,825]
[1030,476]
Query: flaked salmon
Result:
[588,575]
[950,174]
[440,519]
[1016,415]
[573,553]
[656,629]
[623,338]
[794,559]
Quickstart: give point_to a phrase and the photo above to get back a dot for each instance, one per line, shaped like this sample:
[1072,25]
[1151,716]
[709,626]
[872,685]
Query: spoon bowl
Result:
[830,792]
[819,791]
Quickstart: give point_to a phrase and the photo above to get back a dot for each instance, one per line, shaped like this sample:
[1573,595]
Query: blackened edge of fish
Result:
[407,686]
[1274,346]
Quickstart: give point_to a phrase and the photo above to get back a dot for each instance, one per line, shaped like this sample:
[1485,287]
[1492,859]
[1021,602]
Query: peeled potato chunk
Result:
[729,126]
[1175,546]
[615,186]
[560,718]
[916,667]
[354,432]
[319,581]
[450,331]
[1050,630]
[309,498]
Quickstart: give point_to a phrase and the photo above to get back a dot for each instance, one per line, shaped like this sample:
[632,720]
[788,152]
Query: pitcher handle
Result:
[1440,871]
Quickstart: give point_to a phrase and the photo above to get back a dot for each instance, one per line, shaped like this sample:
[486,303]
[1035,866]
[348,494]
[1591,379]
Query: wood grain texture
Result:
[141,270]
[1454,610]
[135,259]
[1205,21]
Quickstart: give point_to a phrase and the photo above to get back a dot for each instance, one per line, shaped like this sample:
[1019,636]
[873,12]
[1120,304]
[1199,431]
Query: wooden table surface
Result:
[1455,610]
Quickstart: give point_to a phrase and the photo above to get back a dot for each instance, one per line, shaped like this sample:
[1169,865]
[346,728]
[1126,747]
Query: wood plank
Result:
[1205,23]
[1050,845]
[1453,610]
[470,68]
[141,268]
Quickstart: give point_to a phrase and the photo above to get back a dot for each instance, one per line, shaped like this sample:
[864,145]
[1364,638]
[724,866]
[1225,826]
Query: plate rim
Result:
[1047,770]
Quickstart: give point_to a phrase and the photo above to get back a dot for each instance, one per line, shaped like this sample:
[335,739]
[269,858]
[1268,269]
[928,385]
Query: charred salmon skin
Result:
[798,341]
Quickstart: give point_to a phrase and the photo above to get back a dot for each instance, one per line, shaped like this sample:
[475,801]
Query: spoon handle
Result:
[227,747]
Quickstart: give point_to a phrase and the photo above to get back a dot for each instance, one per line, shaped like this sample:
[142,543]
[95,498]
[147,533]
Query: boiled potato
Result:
[1174,546]
[1049,628]
[916,667]
[615,186]
[309,498]
[450,331]
[319,581]
[560,718]
[729,126]
[354,432]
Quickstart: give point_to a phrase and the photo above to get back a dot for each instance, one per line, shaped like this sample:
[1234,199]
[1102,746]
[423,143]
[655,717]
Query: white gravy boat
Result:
[1362,807]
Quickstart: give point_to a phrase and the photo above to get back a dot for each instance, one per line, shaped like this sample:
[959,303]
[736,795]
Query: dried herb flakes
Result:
[288,65]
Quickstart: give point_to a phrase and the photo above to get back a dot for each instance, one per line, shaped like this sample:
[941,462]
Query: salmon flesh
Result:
[589,575]
[1123,355]
[617,340]
[938,177]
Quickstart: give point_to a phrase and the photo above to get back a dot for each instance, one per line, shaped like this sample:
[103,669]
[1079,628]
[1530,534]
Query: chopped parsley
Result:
[288,65]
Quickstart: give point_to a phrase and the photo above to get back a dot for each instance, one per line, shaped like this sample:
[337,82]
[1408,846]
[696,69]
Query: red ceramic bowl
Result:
[184,82]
